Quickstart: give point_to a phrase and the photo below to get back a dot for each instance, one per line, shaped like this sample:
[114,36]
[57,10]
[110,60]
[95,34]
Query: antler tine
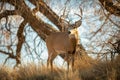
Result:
[80,12]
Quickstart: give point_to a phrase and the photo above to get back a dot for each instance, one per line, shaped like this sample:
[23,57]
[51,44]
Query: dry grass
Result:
[34,72]
[87,69]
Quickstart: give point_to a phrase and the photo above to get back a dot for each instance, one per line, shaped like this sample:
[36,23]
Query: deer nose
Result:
[69,32]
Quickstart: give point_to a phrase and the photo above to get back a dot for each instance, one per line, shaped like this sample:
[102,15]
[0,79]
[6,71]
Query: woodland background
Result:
[25,24]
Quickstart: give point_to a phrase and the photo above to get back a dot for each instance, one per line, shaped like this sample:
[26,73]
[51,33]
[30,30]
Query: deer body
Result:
[60,43]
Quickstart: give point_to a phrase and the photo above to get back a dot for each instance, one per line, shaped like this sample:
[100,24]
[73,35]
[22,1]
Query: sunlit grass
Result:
[87,69]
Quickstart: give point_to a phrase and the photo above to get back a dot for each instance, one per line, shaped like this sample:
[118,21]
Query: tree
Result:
[20,7]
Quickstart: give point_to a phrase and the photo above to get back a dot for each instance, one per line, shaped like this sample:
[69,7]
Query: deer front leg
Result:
[51,57]
[72,62]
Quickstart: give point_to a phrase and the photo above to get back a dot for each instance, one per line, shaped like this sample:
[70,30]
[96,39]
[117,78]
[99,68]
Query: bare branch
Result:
[3,52]
[108,5]
[8,13]
[1,7]
[10,55]
[109,18]
[21,40]
[112,21]
[44,9]
[100,27]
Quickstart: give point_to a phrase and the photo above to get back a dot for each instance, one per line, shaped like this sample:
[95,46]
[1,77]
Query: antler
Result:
[79,22]
[66,26]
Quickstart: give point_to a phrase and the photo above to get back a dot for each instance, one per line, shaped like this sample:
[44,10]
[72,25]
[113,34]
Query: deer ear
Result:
[78,23]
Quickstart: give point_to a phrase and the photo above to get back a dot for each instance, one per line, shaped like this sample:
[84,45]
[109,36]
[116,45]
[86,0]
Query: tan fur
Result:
[60,43]
[75,32]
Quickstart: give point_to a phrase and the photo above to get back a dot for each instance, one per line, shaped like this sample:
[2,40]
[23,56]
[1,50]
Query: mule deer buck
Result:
[63,43]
